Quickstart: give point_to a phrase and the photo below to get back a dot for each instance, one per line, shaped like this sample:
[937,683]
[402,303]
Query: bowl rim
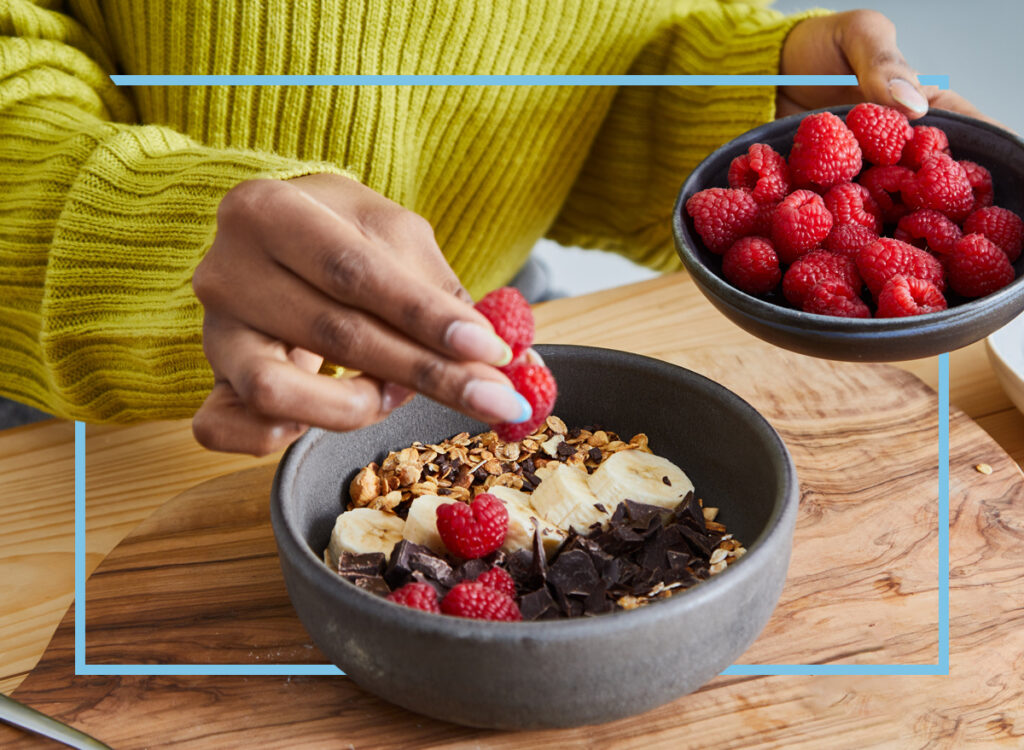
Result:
[812,322]
[316,573]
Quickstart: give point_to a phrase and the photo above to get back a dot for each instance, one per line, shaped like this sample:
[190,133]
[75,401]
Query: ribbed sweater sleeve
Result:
[653,137]
[102,222]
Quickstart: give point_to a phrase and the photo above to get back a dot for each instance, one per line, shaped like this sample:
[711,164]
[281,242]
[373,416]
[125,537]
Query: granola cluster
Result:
[463,466]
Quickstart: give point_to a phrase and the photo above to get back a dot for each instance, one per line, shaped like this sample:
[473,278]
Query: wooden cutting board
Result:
[199,582]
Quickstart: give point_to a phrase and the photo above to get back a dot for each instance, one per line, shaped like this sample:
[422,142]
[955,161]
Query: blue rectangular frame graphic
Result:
[940,668]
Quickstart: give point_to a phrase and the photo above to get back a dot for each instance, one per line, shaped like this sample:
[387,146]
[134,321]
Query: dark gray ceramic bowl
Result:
[853,339]
[566,672]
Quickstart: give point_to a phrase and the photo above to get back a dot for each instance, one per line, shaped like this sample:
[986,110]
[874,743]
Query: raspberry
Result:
[721,216]
[472,530]
[480,602]
[885,185]
[886,257]
[499,580]
[1002,227]
[536,384]
[848,239]
[416,595]
[981,184]
[882,132]
[941,185]
[978,267]
[925,141]
[816,267]
[763,171]
[800,223]
[511,316]
[752,266]
[836,299]
[825,152]
[851,203]
[928,229]
[901,297]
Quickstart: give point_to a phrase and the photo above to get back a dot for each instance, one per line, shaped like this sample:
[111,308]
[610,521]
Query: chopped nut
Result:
[387,502]
[365,486]
[710,514]
[551,446]
[630,602]
[717,556]
[739,552]
[714,526]
[409,474]
[717,567]
[983,468]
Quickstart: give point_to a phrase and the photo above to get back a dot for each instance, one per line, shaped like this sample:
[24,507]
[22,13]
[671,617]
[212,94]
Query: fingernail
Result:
[392,396]
[533,357]
[496,401]
[471,341]
[905,93]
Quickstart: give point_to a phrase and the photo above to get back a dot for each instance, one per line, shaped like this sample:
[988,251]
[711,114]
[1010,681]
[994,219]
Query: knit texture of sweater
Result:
[108,196]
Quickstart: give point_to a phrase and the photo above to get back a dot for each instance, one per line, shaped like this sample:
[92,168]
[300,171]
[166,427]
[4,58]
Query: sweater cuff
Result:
[122,336]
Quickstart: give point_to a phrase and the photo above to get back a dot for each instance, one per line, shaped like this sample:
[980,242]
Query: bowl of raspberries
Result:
[850,233]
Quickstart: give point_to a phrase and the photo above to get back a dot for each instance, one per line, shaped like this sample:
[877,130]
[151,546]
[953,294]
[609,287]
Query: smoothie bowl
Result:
[604,662]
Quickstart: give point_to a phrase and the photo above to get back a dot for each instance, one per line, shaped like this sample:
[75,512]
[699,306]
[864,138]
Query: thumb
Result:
[868,40]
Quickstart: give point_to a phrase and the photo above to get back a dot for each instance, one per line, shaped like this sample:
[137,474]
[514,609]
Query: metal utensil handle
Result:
[24,717]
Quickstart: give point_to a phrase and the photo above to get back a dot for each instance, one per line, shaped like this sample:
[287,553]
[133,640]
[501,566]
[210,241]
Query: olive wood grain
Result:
[198,582]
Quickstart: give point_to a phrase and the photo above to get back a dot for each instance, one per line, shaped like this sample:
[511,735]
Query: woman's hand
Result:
[863,43]
[323,267]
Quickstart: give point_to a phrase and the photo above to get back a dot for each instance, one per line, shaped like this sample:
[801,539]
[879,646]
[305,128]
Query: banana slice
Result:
[364,530]
[641,477]
[421,523]
[564,497]
[523,520]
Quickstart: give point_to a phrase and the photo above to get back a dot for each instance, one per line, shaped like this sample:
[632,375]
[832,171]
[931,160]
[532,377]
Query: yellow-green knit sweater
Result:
[108,196]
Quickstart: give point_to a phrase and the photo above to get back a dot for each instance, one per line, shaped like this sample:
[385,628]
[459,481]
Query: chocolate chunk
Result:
[601,507]
[443,491]
[538,605]
[573,573]
[375,585]
[400,567]
[363,564]
[480,474]
[528,466]
[574,433]
[665,480]
[530,477]
[641,515]
[471,570]
[595,454]
[564,449]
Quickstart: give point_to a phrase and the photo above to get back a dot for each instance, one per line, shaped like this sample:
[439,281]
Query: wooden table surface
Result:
[133,470]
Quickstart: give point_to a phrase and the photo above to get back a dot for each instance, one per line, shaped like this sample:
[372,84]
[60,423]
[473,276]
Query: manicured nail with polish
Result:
[474,342]
[499,403]
[905,93]
[392,396]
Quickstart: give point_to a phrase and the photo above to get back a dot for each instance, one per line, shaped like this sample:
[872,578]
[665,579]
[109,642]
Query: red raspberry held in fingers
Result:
[981,184]
[480,602]
[499,580]
[836,299]
[886,257]
[472,530]
[885,184]
[416,595]
[752,266]
[537,385]
[1001,226]
[816,267]
[511,316]
[928,229]
[848,239]
[825,152]
[941,185]
[902,296]
[721,216]
[882,132]
[925,141]
[763,171]
[851,203]
[978,267]
[800,224]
